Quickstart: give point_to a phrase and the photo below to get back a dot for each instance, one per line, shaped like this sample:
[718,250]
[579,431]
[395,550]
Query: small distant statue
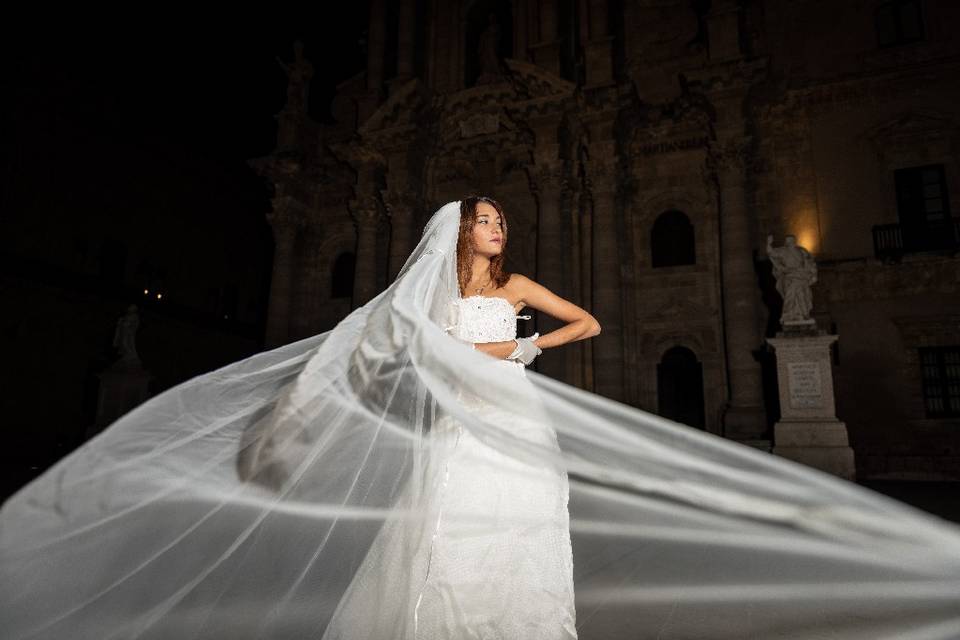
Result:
[795,271]
[125,338]
[298,78]
[489,51]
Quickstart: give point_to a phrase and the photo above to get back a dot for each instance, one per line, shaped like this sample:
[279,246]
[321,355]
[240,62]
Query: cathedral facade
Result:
[643,152]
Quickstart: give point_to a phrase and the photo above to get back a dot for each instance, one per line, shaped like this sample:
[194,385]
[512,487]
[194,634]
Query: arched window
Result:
[680,387]
[671,240]
[341,285]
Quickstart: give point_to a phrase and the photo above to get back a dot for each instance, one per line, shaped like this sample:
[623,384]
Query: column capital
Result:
[545,175]
[365,211]
[398,202]
[601,175]
[284,217]
[731,154]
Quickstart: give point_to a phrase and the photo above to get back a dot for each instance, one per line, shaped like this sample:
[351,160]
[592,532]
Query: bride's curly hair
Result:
[468,217]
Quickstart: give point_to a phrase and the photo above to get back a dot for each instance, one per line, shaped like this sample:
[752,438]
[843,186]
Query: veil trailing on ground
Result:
[241,503]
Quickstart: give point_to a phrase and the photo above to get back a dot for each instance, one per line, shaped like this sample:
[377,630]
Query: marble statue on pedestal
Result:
[795,271]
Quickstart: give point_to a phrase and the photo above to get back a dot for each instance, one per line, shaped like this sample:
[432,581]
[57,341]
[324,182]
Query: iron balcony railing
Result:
[892,241]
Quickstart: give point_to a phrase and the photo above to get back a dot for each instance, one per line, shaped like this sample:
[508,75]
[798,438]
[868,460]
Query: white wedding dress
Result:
[497,561]
[382,481]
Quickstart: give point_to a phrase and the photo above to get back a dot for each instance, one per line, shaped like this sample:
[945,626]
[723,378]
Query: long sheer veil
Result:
[241,503]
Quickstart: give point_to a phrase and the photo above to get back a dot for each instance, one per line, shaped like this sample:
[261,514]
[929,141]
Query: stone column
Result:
[285,226]
[598,50]
[744,418]
[546,52]
[400,208]
[723,27]
[605,276]
[547,186]
[366,215]
[405,42]
[308,288]
[376,43]
[520,30]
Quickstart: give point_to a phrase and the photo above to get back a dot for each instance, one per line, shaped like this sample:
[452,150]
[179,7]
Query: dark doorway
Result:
[680,387]
[341,285]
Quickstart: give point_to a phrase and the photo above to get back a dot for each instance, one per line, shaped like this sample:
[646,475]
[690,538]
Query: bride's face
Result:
[487,231]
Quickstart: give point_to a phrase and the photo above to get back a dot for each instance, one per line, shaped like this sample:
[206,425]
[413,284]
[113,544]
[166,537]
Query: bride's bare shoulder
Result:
[519,285]
[518,281]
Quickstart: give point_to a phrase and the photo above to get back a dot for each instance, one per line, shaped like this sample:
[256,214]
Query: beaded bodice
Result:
[486,319]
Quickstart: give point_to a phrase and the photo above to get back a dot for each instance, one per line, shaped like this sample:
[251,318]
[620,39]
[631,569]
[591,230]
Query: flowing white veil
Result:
[241,503]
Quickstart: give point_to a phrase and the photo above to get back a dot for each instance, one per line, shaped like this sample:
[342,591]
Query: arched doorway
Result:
[680,387]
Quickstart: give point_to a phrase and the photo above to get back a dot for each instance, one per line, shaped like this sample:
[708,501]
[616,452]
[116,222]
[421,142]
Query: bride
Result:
[498,562]
[385,480]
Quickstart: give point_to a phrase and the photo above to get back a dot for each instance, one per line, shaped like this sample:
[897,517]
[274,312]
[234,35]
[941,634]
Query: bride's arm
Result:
[580,324]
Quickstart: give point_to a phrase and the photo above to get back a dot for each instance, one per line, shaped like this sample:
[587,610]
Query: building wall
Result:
[754,118]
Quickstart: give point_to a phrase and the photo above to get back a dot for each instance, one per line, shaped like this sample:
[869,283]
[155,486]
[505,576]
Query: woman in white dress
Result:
[383,481]
[499,562]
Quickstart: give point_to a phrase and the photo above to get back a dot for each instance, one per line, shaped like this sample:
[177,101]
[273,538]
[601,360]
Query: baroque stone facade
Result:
[737,119]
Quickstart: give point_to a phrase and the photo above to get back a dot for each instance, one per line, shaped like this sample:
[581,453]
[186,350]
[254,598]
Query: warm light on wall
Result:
[146,292]
[159,295]
[807,238]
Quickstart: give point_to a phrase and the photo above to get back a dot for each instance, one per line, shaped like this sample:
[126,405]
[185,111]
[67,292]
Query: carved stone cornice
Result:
[867,279]
[735,77]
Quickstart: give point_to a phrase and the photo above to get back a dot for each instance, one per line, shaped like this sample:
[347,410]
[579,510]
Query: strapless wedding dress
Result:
[496,562]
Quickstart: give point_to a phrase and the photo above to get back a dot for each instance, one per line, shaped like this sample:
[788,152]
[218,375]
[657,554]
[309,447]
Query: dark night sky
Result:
[127,126]
[134,127]
[207,85]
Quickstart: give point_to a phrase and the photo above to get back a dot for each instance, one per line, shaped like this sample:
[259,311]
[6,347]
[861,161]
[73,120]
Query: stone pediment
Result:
[531,81]
[399,110]
[681,308]
[524,82]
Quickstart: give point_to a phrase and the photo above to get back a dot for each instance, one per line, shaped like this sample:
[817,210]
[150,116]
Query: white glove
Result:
[526,350]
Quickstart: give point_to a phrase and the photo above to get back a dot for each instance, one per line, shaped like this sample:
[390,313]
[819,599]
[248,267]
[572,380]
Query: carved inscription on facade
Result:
[673,145]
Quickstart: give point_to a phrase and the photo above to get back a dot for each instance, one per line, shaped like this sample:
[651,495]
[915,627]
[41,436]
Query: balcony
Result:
[892,241]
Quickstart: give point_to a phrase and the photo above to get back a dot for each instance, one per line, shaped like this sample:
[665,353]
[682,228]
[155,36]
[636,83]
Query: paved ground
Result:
[939,498]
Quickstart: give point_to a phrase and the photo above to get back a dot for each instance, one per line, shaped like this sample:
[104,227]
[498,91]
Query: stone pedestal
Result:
[808,430]
[123,387]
